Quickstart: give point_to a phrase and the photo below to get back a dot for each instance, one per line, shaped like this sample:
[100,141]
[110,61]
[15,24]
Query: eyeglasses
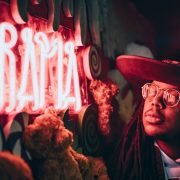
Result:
[171,97]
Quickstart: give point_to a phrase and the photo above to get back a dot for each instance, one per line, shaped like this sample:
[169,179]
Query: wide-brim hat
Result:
[138,70]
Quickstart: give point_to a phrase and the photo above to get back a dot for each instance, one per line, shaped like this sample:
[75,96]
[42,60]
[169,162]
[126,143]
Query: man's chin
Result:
[155,133]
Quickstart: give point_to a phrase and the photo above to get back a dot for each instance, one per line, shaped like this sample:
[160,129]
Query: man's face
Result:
[159,120]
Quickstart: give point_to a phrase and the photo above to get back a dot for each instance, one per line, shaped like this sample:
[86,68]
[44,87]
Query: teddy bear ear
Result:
[64,116]
[14,133]
[50,110]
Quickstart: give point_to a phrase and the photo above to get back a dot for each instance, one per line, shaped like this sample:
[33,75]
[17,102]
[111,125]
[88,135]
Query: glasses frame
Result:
[164,90]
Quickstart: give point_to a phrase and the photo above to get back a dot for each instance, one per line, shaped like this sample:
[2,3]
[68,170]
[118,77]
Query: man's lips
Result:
[153,118]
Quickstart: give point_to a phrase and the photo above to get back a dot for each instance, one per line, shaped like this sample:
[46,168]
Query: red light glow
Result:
[103,94]
[48,74]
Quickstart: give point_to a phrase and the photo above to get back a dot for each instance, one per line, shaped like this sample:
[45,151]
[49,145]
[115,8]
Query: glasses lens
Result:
[171,97]
[149,90]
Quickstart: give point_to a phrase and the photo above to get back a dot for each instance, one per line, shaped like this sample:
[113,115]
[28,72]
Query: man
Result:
[150,146]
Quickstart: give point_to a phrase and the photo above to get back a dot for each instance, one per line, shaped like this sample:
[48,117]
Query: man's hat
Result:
[138,70]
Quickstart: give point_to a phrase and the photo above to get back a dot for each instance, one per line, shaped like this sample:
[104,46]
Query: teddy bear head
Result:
[47,137]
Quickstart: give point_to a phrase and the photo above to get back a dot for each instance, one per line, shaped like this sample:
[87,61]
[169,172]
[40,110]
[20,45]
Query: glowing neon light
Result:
[43,66]
[59,77]
[7,54]
[41,39]
[72,75]
[29,59]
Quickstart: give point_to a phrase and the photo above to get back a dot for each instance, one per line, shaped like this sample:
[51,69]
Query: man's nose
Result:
[158,101]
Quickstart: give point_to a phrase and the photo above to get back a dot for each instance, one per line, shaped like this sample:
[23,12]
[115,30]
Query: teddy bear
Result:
[13,167]
[49,144]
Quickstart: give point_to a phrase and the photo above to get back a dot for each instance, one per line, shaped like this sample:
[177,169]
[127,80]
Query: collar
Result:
[171,167]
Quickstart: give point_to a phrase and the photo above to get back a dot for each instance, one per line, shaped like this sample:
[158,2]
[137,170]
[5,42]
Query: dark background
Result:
[165,17]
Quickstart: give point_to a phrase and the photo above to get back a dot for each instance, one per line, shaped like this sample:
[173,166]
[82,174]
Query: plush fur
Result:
[49,144]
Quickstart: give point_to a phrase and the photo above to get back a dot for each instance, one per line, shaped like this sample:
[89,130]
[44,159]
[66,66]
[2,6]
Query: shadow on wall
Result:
[127,98]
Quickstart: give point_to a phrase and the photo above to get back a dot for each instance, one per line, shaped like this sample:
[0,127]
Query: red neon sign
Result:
[48,74]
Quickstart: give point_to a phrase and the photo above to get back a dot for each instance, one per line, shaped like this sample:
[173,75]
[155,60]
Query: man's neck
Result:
[172,149]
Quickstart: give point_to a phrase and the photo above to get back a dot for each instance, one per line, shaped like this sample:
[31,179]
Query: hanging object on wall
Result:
[81,16]
[88,130]
[92,62]
[68,8]
[80,23]
[94,15]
